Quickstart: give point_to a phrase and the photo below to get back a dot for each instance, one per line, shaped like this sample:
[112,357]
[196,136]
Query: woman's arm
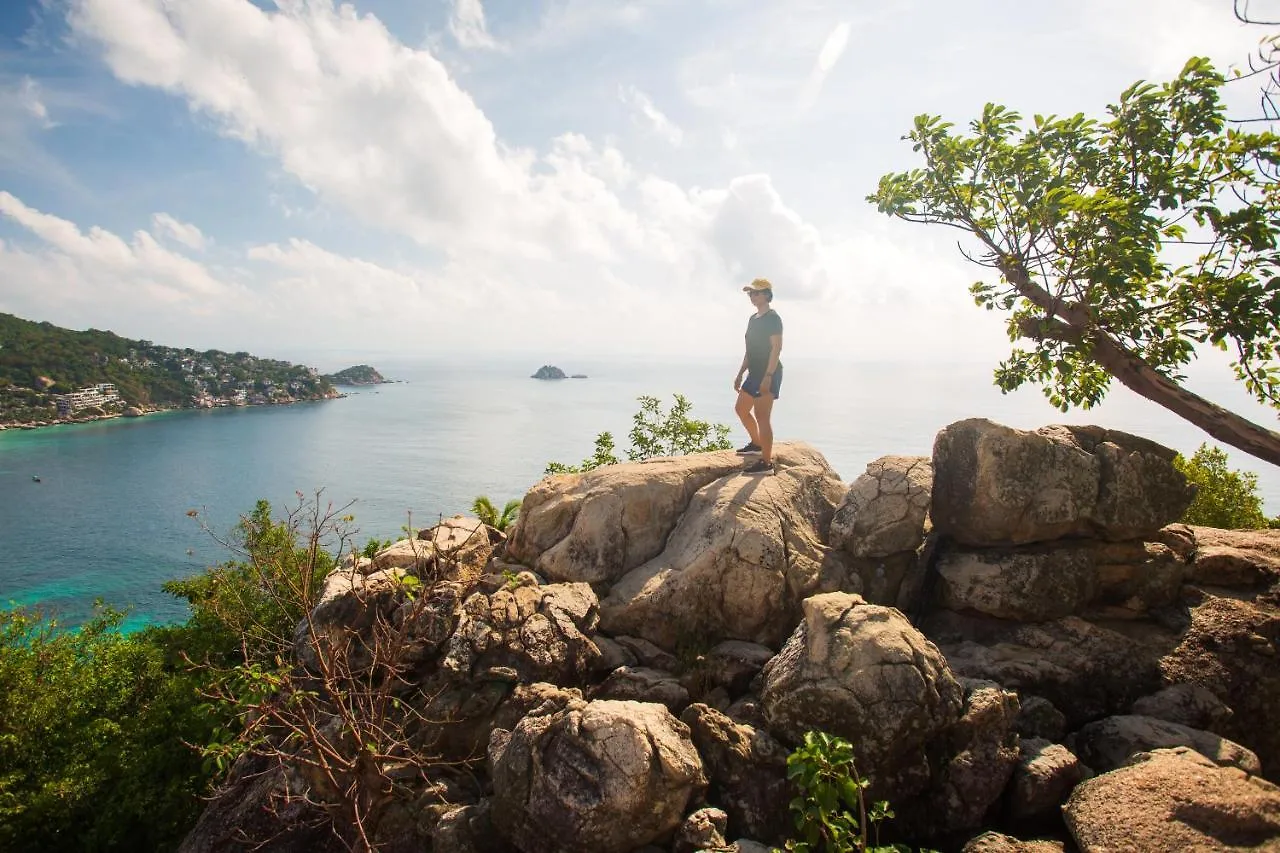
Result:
[775,350]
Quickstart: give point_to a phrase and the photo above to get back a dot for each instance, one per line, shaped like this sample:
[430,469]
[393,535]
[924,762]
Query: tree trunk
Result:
[1135,374]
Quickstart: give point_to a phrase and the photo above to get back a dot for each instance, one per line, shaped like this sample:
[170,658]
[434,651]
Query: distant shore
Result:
[159,410]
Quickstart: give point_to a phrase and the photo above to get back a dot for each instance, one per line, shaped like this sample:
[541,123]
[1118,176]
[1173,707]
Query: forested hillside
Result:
[40,360]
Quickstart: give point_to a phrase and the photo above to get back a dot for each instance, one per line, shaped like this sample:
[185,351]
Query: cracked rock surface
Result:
[995,485]
[596,527]
[526,634]
[598,777]
[1174,800]
[886,509]
[863,672]
[746,551]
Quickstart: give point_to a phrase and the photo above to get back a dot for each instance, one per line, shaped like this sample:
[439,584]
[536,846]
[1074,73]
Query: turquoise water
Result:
[109,517]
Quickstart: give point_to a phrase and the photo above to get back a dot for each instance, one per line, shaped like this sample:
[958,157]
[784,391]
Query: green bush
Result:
[95,734]
[830,811]
[1224,498]
[109,741]
[655,433]
[246,610]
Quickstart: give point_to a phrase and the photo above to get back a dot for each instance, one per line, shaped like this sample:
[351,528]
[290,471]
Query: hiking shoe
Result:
[759,467]
[749,447]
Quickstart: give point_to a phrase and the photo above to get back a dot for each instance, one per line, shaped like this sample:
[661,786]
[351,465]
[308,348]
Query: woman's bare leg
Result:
[743,408]
[763,406]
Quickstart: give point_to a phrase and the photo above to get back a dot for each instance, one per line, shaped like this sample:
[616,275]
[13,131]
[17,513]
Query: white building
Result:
[93,395]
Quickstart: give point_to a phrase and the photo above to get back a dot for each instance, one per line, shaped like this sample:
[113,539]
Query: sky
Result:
[426,177]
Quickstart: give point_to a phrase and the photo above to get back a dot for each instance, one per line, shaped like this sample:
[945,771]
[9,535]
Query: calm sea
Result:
[109,520]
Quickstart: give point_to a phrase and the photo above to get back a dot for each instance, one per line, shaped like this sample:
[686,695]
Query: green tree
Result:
[485,510]
[96,735]
[1224,498]
[655,433]
[1119,245]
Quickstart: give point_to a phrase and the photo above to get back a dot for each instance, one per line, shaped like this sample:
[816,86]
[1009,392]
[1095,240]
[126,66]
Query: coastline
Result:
[165,410]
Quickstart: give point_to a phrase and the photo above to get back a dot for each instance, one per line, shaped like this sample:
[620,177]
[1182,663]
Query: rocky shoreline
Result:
[1025,649]
[141,412]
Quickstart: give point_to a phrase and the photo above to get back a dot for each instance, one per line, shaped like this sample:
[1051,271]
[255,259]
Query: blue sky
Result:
[426,176]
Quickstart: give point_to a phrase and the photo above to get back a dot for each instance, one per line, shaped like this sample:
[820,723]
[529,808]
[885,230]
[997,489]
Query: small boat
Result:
[35,478]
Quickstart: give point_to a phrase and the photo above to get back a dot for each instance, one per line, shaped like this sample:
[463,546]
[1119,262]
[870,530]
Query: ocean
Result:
[109,517]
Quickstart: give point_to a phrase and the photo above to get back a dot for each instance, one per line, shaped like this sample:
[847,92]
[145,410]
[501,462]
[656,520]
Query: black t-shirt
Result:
[759,328]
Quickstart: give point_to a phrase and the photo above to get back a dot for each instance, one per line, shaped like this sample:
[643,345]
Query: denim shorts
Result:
[752,383]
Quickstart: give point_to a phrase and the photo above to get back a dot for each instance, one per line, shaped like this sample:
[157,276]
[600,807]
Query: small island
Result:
[360,374]
[550,371]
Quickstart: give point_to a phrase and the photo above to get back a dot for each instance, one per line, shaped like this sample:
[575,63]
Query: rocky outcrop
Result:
[989,627]
[1174,800]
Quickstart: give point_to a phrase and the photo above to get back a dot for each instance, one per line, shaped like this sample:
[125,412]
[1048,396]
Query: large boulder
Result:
[886,509]
[599,777]
[456,549]
[344,625]
[1044,778]
[596,526]
[1086,671]
[1110,742]
[1174,800]
[977,758]
[1049,580]
[1232,648]
[1030,584]
[746,551]
[641,684]
[525,633]
[1187,704]
[861,671]
[1235,558]
[747,772]
[995,485]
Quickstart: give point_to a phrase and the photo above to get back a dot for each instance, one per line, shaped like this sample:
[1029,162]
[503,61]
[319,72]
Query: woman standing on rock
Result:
[764,376]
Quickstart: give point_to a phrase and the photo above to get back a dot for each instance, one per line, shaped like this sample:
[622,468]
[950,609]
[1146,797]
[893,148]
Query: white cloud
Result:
[29,98]
[654,118]
[185,233]
[97,279]
[573,237]
[1160,39]
[468,26]
[832,49]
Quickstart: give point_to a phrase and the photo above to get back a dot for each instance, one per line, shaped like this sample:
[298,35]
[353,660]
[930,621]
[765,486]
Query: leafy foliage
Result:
[485,510]
[95,734]
[1224,498]
[830,812]
[241,610]
[1120,244]
[655,433]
